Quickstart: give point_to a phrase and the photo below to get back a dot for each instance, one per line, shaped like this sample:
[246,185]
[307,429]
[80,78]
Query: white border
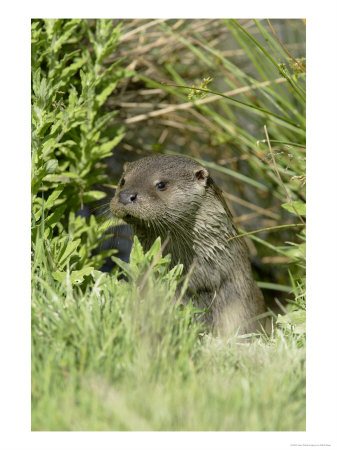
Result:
[15,238]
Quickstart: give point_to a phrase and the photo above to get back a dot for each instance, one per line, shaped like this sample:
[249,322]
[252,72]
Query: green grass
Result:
[118,357]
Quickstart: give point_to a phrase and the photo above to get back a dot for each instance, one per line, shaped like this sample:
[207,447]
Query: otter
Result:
[175,196]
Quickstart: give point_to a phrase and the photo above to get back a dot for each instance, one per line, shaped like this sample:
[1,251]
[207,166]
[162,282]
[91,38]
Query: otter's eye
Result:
[161,185]
[122,182]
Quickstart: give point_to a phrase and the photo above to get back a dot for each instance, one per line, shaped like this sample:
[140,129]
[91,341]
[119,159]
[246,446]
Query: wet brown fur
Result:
[193,212]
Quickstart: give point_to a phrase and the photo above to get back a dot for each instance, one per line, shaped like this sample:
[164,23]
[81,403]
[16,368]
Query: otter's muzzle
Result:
[127,197]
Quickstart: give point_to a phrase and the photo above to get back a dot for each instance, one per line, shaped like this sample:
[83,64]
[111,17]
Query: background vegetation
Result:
[114,355]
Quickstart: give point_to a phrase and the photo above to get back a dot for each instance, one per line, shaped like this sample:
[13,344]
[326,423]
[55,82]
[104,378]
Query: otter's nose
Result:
[127,197]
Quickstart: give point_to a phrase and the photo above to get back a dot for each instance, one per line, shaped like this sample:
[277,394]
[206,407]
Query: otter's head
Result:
[159,188]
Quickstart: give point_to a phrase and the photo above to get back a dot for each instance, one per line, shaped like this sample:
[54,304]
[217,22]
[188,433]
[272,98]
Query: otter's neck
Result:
[204,239]
[213,232]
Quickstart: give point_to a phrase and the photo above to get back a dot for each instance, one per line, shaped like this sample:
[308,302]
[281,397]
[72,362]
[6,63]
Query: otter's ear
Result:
[125,166]
[201,175]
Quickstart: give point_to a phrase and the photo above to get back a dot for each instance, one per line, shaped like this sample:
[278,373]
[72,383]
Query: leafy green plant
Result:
[71,134]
